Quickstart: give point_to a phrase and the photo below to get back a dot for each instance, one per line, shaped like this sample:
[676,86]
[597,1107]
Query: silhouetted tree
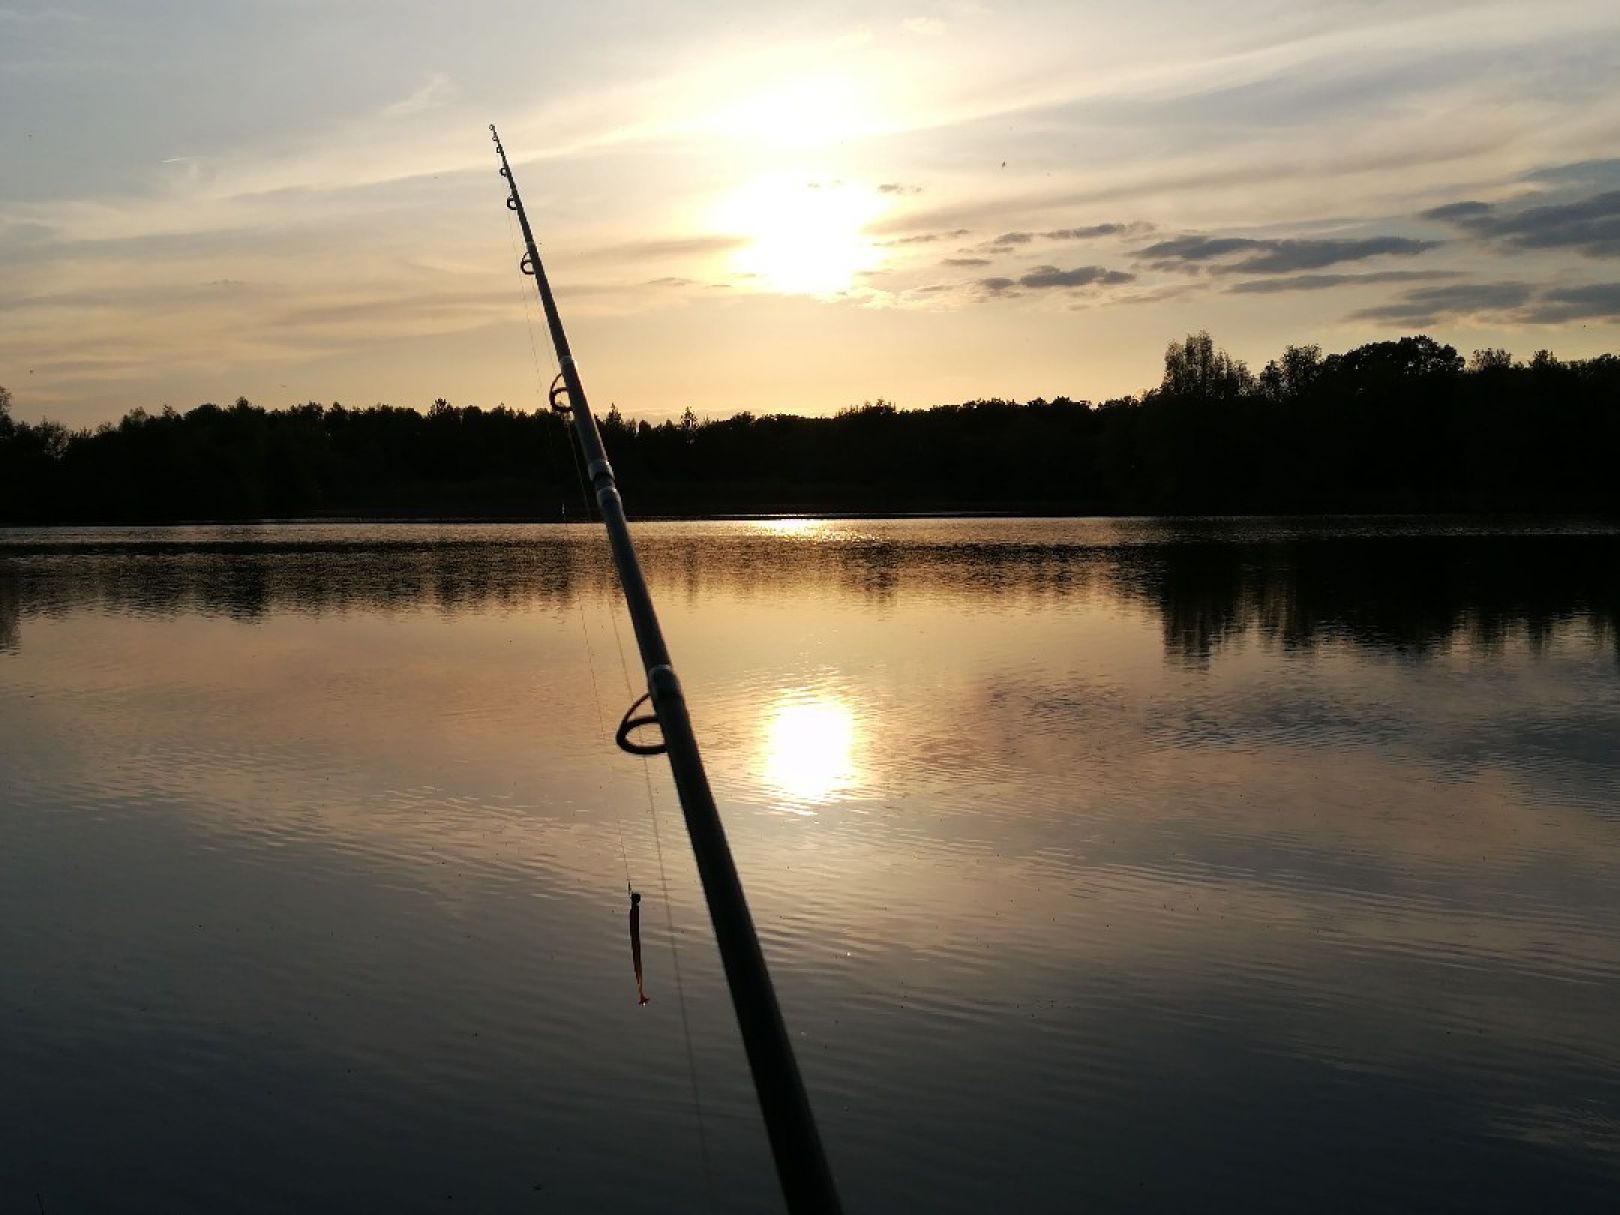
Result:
[1195,368]
[1492,358]
[1398,425]
[1290,376]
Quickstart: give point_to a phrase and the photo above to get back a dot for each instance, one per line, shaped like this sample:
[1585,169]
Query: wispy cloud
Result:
[1596,301]
[1590,226]
[1045,278]
[1431,305]
[1008,240]
[926,238]
[1286,256]
[1093,231]
[1513,303]
[1322,282]
[696,245]
[43,15]
[436,91]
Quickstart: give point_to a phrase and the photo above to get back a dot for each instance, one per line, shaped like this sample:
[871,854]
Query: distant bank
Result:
[1405,426]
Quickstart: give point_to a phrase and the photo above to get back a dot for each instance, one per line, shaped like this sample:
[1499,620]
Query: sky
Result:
[785,208]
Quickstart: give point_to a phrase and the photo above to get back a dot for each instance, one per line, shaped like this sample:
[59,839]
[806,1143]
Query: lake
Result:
[1120,865]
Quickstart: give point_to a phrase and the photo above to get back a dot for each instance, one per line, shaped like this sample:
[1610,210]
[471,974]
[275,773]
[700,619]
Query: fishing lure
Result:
[635,944]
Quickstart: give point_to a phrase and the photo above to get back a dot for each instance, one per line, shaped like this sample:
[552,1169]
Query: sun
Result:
[804,237]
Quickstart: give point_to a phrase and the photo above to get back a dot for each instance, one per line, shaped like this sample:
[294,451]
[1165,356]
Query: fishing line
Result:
[528,314]
[601,721]
[539,390]
[669,924]
[584,628]
[562,508]
[601,725]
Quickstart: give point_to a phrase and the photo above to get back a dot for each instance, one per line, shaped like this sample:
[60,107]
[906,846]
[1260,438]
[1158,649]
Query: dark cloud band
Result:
[1589,225]
[1275,256]
[1046,278]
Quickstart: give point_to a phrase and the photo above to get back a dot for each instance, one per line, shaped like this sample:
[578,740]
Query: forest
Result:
[1397,426]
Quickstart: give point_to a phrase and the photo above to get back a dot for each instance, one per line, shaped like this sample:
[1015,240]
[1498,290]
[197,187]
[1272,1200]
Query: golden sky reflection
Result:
[950,715]
[983,788]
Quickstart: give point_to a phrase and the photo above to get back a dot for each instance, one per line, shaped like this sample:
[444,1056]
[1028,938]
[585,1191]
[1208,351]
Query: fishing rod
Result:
[801,1163]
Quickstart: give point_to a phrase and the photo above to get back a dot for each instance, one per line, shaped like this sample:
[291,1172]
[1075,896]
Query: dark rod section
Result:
[801,1162]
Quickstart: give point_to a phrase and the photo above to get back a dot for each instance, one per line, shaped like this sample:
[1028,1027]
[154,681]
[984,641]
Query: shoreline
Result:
[1438,518]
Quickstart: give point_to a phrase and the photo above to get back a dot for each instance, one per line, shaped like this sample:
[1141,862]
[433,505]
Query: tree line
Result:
[1406,425]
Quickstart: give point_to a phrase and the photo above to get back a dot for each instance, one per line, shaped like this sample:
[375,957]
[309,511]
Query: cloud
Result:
[1080,276]
[1010,240]
[1196,248]
[1430,305]
[1007,242]
[895,187]
[152,298]
[1319,282]
[1596,301]
[1093,231]
[673,246]
[966,261]
[1581,173]
[438,310]
[1046,277]
[924,238]
[1589,225]
[435,92]
[1285,256]
[1505,302]
[49,13]
[1456,210]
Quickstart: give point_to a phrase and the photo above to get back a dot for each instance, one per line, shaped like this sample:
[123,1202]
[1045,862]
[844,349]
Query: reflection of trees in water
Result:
[1410,593]
[248,581]
[10,608]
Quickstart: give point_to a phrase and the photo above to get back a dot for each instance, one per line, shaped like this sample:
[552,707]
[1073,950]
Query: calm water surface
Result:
[1103,865]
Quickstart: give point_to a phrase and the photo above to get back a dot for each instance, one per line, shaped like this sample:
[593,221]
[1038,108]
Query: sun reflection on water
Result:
[810,749]
[789,527]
